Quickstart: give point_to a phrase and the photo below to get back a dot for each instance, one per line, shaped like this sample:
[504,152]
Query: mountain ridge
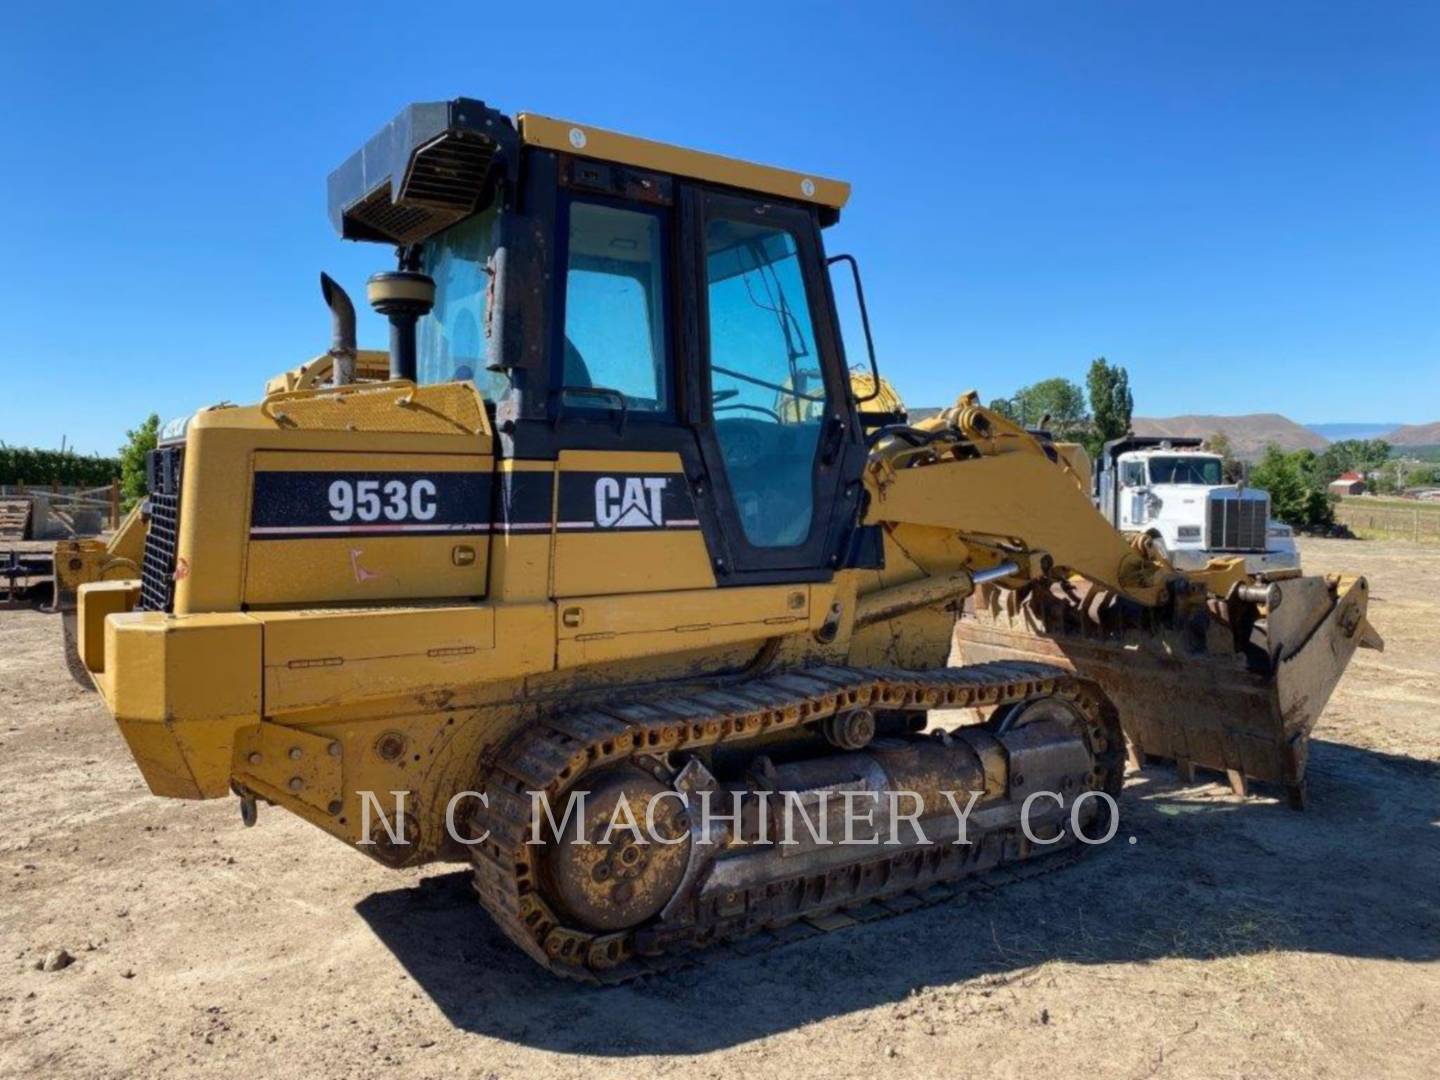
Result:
[1415,435]
[1249,434]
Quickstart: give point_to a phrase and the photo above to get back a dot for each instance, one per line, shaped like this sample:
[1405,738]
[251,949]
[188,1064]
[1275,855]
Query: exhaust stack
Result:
[342,335]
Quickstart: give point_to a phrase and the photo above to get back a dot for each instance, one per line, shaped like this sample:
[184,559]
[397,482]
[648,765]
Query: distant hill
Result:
[1415,435]
[1336,432]
[1248,435]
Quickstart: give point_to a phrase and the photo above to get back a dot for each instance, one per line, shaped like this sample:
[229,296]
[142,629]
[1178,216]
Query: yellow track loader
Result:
[612,519]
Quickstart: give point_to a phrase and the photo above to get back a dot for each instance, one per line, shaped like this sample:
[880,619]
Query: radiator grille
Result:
[1238,524]
[157,571]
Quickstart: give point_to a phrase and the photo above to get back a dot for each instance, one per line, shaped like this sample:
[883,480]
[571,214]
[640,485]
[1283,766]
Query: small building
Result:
[1350,483]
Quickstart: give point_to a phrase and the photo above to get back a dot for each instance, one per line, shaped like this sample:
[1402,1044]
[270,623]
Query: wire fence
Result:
[1417,521]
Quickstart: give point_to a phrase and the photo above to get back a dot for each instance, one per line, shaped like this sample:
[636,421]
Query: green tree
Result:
[1111,403]
[1398,474]
[1231,467]
[28,465]
[1296,485]
[1422,476]
[1387,481]
[1357,455]
[1058,402]
[1006,408]
[138,443]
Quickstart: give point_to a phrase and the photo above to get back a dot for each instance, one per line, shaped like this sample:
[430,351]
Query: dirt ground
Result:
[1232,938]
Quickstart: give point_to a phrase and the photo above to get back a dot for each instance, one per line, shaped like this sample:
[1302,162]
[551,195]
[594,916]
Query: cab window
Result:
[614,346]
[1132,474]
[452,342]
[767,392]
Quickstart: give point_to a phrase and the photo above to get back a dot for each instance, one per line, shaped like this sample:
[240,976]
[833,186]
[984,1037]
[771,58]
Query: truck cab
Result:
[1175,491]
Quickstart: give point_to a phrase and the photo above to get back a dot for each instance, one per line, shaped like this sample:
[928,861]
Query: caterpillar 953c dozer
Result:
[615,520]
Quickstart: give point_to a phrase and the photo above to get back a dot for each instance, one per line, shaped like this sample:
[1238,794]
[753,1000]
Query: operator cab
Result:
[609,296]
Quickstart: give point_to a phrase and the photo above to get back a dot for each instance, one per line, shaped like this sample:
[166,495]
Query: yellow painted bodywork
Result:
[90,559]
[98,600]
[1012,500]
[603,564]
[178,688]
[319,658]
[371,365]
[873,397]
[280,636]
[521,562]
[1079,464]
[286,674]
[587,141]
[380,568]
[337,428]
[634,625]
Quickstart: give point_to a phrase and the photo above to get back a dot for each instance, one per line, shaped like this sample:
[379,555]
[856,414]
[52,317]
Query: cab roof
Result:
[434,163]
[593,142]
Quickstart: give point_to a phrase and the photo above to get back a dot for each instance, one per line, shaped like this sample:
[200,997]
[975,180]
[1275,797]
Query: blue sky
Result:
[1238,202]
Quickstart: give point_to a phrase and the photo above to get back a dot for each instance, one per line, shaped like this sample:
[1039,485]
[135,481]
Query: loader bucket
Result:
[1231,686]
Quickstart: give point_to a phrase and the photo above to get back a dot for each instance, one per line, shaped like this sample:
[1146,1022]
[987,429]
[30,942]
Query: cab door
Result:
[771,402]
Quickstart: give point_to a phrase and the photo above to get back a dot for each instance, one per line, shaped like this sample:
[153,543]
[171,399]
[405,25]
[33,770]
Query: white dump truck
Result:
[1174,490]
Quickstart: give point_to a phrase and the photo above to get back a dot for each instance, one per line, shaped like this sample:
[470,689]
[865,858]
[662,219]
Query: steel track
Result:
[554,755]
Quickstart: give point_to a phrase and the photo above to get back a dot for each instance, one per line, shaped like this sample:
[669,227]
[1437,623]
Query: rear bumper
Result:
[184,689]
[178,686]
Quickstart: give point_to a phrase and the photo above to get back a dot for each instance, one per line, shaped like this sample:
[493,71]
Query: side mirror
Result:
[864,323]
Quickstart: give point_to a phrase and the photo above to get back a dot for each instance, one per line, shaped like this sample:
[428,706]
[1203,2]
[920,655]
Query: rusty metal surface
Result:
[737,896]
[1233,687]
[610,886]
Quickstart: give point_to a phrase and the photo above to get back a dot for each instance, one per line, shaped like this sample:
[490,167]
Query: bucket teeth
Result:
[1228,686]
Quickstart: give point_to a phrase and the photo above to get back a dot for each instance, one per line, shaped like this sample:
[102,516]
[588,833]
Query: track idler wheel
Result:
[607,877]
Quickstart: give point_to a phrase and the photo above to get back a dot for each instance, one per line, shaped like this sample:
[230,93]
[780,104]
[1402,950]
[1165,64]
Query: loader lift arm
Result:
[1244,665]
[1000,488]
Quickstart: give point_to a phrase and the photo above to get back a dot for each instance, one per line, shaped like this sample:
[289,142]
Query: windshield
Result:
[1185,470]
[453,343]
